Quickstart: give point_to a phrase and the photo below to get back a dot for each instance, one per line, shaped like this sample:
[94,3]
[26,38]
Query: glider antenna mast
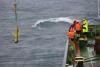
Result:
[16,32]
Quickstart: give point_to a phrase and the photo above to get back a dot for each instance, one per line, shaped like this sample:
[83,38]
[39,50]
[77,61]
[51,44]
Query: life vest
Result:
[85,26]
[70,34]
[78,26]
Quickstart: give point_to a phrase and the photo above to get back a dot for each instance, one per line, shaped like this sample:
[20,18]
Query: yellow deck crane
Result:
[15,33]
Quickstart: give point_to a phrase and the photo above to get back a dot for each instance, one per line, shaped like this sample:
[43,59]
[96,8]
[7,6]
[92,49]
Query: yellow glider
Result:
[16,35]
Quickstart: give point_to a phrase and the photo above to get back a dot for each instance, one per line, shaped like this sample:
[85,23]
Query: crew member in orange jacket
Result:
[71,35]
[77,27]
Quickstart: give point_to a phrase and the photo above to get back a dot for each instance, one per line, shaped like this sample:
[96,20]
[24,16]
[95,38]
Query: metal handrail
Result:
[65,54]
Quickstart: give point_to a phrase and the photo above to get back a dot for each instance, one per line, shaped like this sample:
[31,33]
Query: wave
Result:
[54,20]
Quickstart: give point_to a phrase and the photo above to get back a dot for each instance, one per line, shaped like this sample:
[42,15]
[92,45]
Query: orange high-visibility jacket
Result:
[70,35]
[78,26]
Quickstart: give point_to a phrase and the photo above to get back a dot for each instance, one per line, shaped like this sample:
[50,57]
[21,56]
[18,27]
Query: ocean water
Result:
[43,25]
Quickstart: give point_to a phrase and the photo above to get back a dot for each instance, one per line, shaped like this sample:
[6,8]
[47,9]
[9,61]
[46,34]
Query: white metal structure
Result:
[98,8]
[65,54]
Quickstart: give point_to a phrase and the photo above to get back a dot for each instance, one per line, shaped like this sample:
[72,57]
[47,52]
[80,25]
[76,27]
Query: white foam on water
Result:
[55,20]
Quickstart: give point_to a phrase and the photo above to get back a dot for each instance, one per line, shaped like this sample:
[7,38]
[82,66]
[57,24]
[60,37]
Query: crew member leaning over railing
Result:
[74,30]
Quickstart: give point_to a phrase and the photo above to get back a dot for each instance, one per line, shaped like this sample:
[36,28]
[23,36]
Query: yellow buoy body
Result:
[16,35]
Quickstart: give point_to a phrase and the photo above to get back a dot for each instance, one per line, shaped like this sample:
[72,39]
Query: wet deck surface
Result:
[95,63]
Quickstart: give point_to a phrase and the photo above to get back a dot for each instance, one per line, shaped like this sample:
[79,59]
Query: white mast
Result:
[98,8]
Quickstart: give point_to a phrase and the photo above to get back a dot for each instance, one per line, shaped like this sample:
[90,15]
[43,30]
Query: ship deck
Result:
[90,54]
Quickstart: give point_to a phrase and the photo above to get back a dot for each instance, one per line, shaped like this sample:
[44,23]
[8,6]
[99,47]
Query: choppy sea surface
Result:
[43,25]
